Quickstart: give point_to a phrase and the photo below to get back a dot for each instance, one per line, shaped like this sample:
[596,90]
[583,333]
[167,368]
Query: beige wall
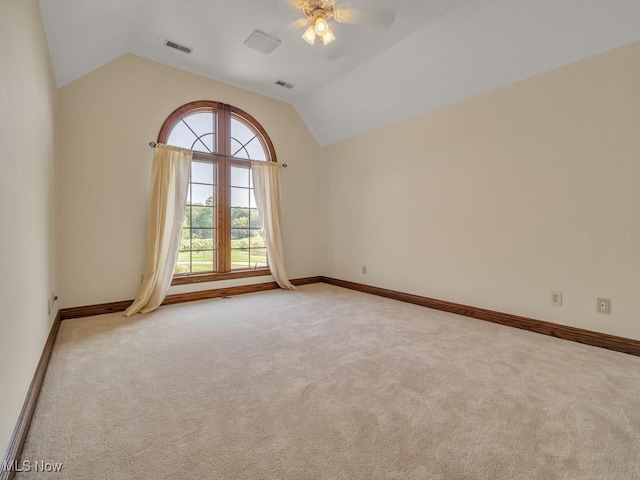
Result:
[106,120]
[27,110]
[498,200]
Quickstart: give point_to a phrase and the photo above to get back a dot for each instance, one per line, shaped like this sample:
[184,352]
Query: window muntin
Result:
[221,231]
[245,142]
[196,132]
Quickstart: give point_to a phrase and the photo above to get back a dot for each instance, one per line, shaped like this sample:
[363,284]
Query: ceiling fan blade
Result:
[370,16]
[297,4]
[297,25]
[301,23]
[296,22]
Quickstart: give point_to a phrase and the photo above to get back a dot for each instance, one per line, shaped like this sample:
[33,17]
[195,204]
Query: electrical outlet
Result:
[604,305]
[556,299]
[364,269]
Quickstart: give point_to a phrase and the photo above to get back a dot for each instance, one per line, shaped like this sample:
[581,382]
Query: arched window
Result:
[221,236]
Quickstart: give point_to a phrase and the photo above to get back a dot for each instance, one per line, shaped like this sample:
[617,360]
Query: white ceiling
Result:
[420,54]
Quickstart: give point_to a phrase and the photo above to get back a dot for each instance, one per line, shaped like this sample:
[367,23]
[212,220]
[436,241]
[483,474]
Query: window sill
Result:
[213,277]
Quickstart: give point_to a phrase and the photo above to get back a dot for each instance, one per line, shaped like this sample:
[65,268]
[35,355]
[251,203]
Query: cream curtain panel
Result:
[266,188]
[169,184]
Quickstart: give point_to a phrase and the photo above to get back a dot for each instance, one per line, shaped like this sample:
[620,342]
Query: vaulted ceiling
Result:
[398,58]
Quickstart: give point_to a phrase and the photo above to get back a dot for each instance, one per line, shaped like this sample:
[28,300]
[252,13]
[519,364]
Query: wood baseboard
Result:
[91,310]
[16,443]
[218,292]
[230,291]
[112,307]
[306,281]
[574,334]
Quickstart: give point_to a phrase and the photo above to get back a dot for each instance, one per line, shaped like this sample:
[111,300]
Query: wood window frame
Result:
[222,161]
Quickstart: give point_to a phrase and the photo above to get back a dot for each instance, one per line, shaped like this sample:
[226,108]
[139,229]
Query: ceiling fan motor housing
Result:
[315,8]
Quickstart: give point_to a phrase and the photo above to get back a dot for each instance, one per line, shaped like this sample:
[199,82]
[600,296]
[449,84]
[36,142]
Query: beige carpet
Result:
[326,383]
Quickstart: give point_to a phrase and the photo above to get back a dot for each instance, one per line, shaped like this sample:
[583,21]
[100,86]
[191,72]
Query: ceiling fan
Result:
[318,13]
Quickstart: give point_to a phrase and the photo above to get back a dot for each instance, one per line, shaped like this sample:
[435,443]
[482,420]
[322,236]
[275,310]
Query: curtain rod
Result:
[153,145]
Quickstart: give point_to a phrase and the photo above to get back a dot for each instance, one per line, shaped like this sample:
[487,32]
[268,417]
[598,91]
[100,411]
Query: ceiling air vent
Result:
[285,84]
[262,42]
[177,46]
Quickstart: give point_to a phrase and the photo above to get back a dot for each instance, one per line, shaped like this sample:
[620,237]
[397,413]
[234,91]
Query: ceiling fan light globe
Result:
[321,26]
[328,37]
[309,35]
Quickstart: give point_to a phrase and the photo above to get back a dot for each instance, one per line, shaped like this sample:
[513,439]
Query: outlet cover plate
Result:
[556,299]
[604,305]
